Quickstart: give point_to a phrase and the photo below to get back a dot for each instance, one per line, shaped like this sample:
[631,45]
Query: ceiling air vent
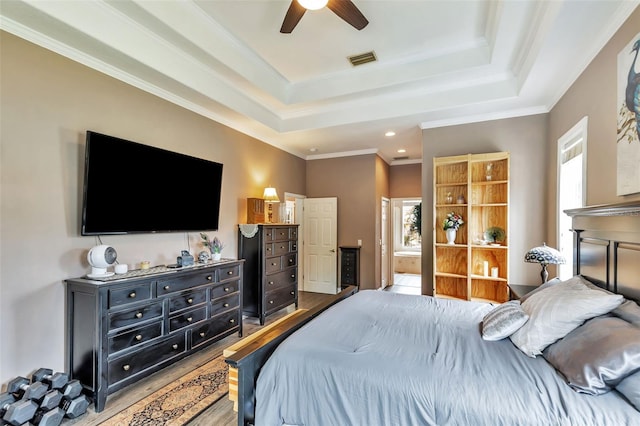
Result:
[363,58]
[406,157]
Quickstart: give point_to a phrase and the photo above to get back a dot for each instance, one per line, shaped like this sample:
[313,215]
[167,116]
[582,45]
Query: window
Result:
[572,166]
[406,235]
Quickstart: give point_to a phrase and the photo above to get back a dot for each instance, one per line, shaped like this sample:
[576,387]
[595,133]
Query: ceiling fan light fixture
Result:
[313,4]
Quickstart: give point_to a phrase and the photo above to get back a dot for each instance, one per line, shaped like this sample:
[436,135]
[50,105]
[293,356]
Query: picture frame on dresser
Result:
[123,328]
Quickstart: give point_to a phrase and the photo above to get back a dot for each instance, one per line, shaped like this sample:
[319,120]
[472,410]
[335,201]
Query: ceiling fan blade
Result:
[349,12]
[293,16]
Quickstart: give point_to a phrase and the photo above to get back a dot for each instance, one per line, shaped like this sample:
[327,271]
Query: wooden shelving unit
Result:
[477,187]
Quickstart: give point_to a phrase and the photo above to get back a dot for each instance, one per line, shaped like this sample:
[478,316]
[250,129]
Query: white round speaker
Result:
[100,258]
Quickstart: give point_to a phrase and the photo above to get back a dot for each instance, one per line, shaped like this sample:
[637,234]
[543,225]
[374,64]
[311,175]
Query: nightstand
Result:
[517,291]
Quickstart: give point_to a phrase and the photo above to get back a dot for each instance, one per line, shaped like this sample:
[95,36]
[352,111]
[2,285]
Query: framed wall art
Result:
[628,141]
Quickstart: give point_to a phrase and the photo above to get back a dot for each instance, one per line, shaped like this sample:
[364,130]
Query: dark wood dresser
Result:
[349,266]
[270,268]
[123,329]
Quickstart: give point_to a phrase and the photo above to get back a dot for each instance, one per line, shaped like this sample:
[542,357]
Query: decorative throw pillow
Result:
[542,287]
[503,321]
[596,356]
[558,309]
[630,388]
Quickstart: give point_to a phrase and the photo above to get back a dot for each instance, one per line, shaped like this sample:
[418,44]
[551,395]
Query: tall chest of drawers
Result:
[122,330]
[271,268]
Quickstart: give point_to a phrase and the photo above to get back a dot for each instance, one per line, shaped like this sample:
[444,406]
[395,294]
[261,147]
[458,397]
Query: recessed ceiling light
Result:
[390,133]
[313,149]
[402,151]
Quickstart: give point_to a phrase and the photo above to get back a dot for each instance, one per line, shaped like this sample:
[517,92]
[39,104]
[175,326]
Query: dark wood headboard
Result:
[607,246]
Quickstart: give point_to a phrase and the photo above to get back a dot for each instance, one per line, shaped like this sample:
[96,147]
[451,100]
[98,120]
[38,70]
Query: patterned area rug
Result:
[179,401]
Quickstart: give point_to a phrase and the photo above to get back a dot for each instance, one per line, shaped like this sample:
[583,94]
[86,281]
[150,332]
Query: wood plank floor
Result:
[221,413]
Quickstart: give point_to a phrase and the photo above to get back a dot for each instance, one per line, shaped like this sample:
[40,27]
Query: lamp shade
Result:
[270,195]
[544,255]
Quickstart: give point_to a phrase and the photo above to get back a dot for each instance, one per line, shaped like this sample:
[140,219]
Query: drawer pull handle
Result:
[282,247]
[270,282]
[126,367]
[202,334]
[226,305]
[139,337]
[230,273]
[174,346]
[293,293]
[189,300]
[293,275]
[132,295]
[273,264]
[166,287]
[139,315]
[232,320]
[290,260]
[271,302]
[209,278]
[268,248]
[190,319]
[226,289]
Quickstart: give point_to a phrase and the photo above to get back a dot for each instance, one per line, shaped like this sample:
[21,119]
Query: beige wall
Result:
[405,181]
[525,139]
[47,104]
[353,181]
[593,95]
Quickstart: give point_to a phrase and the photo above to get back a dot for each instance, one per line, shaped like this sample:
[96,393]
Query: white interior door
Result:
[320,219]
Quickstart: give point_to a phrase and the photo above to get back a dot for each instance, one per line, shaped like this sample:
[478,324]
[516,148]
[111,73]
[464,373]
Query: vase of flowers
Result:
[450,225]
[215,246]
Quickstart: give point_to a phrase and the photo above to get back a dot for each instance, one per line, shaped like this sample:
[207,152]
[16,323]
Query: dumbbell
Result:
[75,407]
[50,400]
[48,418]
[16,412]
[71,390]
[46,376]
[22,389]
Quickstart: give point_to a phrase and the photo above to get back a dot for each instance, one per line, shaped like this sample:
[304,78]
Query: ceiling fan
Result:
[345,9]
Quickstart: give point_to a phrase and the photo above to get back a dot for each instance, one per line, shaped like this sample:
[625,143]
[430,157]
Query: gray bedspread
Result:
[381,358]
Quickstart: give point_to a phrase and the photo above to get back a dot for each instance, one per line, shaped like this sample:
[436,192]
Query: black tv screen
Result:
[134,188]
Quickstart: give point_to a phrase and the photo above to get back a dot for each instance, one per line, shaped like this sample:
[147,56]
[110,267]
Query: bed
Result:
[379,358]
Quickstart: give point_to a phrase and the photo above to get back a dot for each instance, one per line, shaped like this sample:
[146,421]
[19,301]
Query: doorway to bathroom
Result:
[406,216]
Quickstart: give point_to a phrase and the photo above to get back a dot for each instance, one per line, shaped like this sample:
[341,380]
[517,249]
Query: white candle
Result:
[485,268]
[494,272]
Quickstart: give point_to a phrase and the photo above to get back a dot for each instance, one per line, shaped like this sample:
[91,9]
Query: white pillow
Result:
[557,310]
[503,321]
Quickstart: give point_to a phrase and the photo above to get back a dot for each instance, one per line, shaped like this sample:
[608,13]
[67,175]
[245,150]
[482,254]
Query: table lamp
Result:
[270,196]
[544,256]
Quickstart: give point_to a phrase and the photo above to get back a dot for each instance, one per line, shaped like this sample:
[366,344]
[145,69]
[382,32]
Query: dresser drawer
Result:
[124,295]
[228,273]
[280,298]
[135,337]
[214,327]
[273,264]
[268,249]
[293,233]
[186,300]
[134,316]
[224,289]
[281,248]
[225,303]
[289,260]
[137,361]
[281,234]
[281,279]
[188,318]
[171,285]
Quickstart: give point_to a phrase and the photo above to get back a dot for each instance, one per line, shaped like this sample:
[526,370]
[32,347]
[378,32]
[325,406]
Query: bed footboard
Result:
[251,353]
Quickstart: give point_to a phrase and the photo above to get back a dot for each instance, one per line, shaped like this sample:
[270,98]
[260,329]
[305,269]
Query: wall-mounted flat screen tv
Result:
[134,188]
